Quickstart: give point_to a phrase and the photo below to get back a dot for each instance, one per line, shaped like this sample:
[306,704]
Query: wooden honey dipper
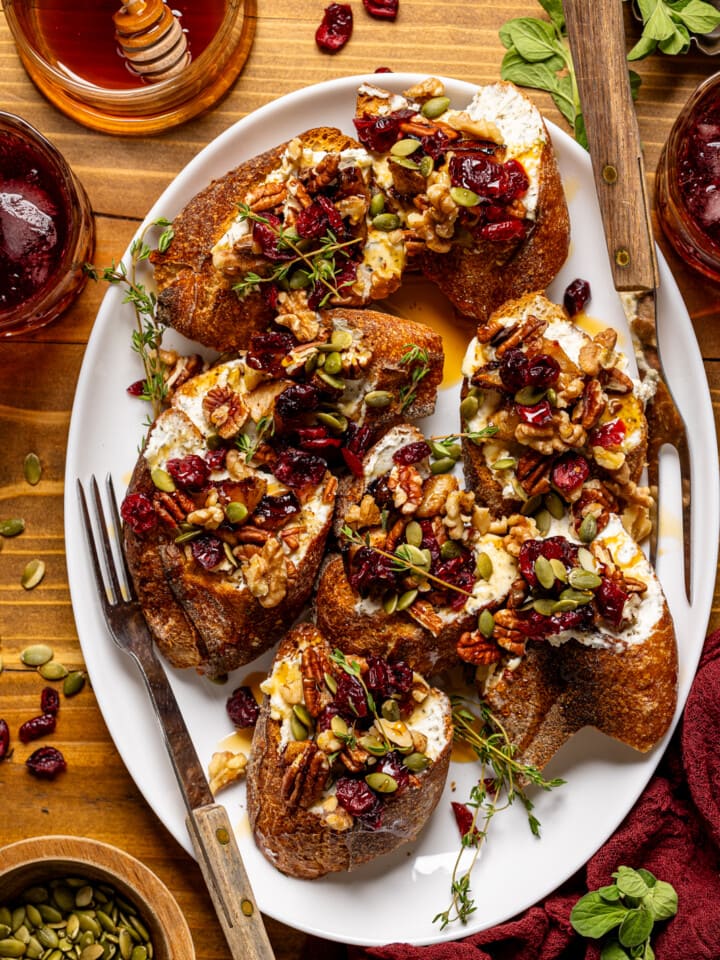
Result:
[151,39]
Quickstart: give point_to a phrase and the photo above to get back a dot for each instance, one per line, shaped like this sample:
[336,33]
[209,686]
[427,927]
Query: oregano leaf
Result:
[609,893]
[534,39]
[613,951]
[699,17]
[643,48]
[593,917]
[659,24]
[662,900]
[678,43]
[630,883]
[554,9]
[649,878]
[539,76]
[636,927]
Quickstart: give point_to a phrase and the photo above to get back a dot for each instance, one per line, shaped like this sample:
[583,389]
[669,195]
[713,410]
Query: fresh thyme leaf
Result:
[248,446]
[417,360]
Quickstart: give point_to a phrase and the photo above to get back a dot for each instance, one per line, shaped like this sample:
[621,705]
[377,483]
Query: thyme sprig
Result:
[247,445]
[417,360]
[320,265]
[475,436]
[148,333]
[401,563]
[502,781]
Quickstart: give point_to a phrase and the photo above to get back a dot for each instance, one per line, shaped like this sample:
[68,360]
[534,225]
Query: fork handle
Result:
[219,859]
[597,42]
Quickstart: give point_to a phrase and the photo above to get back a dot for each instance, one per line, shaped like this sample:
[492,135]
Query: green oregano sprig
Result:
[667,27]
[625,913]
[502,781]
[147,336]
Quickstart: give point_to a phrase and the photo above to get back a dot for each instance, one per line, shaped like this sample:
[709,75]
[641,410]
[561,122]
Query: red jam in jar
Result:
[688,181]
[46,229]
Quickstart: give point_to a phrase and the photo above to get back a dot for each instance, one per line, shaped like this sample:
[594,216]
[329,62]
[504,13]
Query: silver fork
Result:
[210,830]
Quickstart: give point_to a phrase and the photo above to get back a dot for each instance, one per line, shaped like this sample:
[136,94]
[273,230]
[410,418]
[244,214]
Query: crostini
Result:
[349,757]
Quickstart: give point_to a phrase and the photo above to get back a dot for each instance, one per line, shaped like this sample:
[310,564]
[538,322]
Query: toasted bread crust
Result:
[297,841]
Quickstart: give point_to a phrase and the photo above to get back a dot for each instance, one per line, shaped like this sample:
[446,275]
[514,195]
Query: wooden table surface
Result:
[124,176]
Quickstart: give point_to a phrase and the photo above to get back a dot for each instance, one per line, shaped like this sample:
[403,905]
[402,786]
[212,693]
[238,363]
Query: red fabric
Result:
[673,831]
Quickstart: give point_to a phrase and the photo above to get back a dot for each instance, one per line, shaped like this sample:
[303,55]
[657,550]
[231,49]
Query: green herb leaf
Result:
[643,48]
[554,9]
[613,951]
[699,16]
[636,927]
[662,900]
[609,893]
[594,917]
[630,882]
[678,43]
[535,40]
[657,19]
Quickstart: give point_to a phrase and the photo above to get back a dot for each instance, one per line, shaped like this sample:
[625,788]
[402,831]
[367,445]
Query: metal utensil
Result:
[208,825]
[597,43]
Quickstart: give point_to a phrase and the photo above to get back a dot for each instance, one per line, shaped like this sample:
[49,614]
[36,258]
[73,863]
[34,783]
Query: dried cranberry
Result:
[458,571]
[378,677]
[411,453]
[355,796]
[392,765]
[479,173]
[317,440]
[517,180]
[46,763]
[576,296]
[350,697]
[609,434]
[208,551]
[429,540]
[513,370]
[49,700]
[569,472]
[314,221]
[215,459]
[297,468]
[324,718]
[190,472]
[138,513]
[358,439]
[297,399]
[4,739]
[382,9]
[136,389]
[274,511]
[268,349]
[242,708]
[266,236]
[335,28]
[543,371]
[37,727]
[372,572]
[353,462]
[380,133]
[537,626]
[610,598]
[510,229]
[382,70]
[553,548]
[464,821]
[538,414]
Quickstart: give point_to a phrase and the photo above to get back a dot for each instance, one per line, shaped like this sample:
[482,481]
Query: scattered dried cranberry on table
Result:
[37,727]
[382,9]
[4,739]
[335,28]
[46,763]
[242,708]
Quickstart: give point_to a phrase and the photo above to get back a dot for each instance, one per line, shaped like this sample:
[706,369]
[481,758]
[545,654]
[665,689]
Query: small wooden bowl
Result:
[40,859]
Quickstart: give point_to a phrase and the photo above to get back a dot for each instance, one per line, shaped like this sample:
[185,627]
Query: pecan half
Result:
[507,633]
[304,779]
[226,411]
[313,668]
[473,647]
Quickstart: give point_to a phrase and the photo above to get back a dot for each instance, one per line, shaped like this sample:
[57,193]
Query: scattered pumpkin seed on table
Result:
[32,574]
[36,655]
[32,468]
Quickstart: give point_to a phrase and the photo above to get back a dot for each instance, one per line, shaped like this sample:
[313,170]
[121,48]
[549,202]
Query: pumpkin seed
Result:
[386,221]
[551,396]
[92,952]
[34,949]
[483,565]
[373,745]
[139,953]
[588,529]
[187,535]
[47,937]
[335,382]
[333,363]
[427,165]
[416,762]
[330,683]
[301,712]
[414,533]
[390,710]
[32,469]
[406,600]
[531,505]
[162,480]
[529,396]
[554,504]
[299,279]
[403,148]
[339,727]
[381,782]
[444,465]
[33,915]
[580,597]
[469,407]
[298,730]
[449,550]
[53,670]
[544,572]
[504,463]
[5,917]
[72,927]
[543,521]
[36,655]
[411,555]
[434,107]
[18,918]
[464,197]
[137,923]
[586,559]
[125,943]
[22,934]
[583,579]
[561,606]
[341,338]
[378,398]
[335,421]
[311,364]
[390,603]
[406,162]
[5,930]
[558,568]
[106,922]
[74,682]
[11,948]
[486,623]
[377,204]
[11,527]
[49,913]
[236,512]
[32,574]
[544,606]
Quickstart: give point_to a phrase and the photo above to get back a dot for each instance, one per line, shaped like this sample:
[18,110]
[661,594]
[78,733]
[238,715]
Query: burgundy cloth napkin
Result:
[673,831]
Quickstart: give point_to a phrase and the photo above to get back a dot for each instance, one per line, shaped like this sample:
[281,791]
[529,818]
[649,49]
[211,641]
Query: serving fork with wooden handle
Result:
[208,824]
[597,44]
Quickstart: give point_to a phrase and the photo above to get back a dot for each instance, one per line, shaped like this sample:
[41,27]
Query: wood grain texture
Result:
[124,177]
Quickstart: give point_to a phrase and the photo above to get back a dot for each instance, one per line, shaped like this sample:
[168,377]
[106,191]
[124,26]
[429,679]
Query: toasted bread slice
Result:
[609,662]
[230,231]
[370,601]
[565,419]
[327,786]
[487,218]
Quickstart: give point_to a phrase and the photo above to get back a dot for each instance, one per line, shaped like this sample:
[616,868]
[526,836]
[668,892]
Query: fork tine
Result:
[109,560]
[117,526]
[90,537]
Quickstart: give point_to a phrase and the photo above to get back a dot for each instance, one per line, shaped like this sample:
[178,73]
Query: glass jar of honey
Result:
[46,229]
[688,181]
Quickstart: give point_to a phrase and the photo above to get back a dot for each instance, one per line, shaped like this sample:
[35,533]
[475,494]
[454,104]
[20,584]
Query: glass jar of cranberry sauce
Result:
[688,181]
[46,229]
